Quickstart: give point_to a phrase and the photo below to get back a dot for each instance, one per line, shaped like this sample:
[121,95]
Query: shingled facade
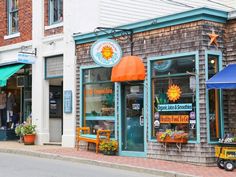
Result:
[170,40]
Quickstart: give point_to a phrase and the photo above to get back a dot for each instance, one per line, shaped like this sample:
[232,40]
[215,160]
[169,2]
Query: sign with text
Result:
[26,58]
[98,91]
[67,101]
[174,107]
[174,119]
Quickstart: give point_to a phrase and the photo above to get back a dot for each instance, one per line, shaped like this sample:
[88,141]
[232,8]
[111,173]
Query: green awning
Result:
[7,71]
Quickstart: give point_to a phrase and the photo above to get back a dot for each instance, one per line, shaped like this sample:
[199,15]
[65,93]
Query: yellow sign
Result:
[174,92]
[174,119]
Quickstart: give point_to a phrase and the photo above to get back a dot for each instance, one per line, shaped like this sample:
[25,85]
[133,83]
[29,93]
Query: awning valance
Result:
[7,71]
[225,79]
[130,68]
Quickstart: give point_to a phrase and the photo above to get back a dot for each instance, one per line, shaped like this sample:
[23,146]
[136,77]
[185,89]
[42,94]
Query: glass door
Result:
[132,120]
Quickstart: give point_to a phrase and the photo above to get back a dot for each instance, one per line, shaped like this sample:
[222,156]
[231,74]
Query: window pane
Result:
[101,124]
[14,5]
[60,13]
[14,20]
[173,66]
[213,96]
[170,113]
[99,100]
[13,16]
[55,11]
[97,74]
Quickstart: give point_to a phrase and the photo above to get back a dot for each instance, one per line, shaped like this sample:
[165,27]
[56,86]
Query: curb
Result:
[161,173]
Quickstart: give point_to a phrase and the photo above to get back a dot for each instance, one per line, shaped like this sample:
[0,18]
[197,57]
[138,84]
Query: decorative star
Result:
[213,36]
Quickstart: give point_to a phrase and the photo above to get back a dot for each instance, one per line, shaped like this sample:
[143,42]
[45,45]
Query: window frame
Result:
[195,54]
[10,13]
[110,118]
[51,12]
[221,109]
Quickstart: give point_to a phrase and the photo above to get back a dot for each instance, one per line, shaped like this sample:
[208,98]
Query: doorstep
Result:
[53,143]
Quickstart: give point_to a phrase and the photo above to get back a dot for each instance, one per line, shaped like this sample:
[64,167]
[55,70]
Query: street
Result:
[12,165]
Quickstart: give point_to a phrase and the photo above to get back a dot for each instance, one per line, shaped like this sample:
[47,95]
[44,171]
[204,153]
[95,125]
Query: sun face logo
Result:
[174,93]
[107,52]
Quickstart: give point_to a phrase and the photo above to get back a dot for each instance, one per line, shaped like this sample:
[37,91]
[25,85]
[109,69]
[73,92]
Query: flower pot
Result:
[29,139]
[109,152]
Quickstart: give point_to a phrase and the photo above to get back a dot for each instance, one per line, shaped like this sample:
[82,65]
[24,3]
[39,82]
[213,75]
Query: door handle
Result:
[141,120]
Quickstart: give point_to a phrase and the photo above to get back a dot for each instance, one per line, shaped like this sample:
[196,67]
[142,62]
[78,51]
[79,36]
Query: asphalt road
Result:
[13,165]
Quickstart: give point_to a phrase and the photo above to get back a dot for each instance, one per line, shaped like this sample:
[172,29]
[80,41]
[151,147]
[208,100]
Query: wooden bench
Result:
[83,134]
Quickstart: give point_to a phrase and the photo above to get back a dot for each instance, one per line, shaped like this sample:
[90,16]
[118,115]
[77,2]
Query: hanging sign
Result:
[106,52]
[174,119]
[174,92]
[26,58]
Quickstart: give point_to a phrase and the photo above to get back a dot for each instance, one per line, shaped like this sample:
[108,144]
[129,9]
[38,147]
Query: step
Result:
[53,143]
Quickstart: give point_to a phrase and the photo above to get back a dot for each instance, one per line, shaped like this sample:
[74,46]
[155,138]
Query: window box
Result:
[172,137]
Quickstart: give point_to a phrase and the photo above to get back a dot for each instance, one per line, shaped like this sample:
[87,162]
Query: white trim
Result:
[53,38]
[53,26]
[16,46]
[12,36]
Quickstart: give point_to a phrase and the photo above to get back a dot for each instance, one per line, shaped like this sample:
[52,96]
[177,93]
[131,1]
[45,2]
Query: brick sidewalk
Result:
[175,167]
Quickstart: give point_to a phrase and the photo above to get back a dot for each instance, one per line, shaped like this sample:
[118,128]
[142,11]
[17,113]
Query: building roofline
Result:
[197,14]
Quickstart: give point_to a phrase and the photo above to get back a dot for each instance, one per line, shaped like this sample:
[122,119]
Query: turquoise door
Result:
[132,119]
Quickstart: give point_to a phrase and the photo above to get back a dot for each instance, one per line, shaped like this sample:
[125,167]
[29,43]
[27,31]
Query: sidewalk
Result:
[160,167]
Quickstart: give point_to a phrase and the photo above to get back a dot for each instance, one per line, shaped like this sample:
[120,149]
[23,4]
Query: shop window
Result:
[214,111]
[173,84]
[98,99]
[55,11]
[54,67]
[13,16]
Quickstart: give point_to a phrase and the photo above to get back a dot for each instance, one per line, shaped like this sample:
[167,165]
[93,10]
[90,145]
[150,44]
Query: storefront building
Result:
[179,54]
[16,58]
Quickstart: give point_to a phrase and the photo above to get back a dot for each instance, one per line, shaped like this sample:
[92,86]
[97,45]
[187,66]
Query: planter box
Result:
[109,152]
[176,139]
[8,135]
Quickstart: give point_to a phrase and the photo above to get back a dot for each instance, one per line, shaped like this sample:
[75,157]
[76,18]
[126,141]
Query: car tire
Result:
[229,166]
[220,163]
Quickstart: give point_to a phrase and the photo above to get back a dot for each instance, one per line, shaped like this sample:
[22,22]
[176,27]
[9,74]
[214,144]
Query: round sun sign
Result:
[106,52]
[174,92]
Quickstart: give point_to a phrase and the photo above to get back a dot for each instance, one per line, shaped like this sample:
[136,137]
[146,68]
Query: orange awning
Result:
[130,68]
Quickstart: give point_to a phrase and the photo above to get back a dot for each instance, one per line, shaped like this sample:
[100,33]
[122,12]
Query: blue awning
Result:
[225,79]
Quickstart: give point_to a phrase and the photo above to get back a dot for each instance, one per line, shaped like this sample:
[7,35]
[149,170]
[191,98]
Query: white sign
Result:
[106,52]
[135,106]
[26,58]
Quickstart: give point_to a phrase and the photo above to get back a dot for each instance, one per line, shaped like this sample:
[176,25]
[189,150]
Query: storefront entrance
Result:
[132,119]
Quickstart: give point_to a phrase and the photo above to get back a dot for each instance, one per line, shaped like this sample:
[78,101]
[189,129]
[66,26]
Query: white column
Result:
[39,85]
[69,74]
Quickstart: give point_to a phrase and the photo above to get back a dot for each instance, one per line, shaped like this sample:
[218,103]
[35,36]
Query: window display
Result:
[173,96]
[98,100]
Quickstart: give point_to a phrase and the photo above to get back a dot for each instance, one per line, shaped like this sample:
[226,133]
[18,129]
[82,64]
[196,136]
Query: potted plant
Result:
[108,147]
[18,132]
[170,136]
[27,131]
